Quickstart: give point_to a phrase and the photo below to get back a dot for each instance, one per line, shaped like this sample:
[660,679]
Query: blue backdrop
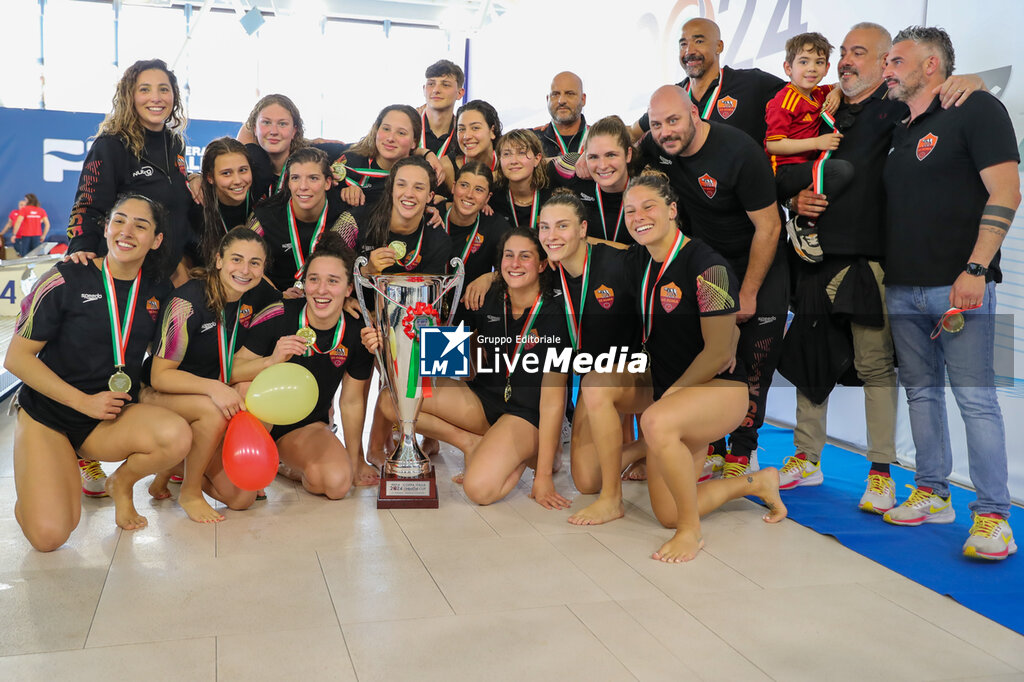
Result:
[42,153]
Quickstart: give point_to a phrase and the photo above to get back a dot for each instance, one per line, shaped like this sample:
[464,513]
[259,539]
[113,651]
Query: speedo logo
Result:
[89,298]
[664,161]
[207,327]
[586,197]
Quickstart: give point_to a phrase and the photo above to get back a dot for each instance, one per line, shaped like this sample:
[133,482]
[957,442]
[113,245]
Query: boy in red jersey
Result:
[794,117]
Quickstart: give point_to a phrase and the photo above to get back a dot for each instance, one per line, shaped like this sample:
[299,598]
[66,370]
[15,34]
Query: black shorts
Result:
[495,406]
[75,436]
[279,430]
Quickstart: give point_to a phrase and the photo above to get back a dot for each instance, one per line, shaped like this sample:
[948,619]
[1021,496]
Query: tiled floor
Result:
[301,588]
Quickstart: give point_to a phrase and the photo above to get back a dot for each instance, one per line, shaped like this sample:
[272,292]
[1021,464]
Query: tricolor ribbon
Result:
[120,328]
[647,302]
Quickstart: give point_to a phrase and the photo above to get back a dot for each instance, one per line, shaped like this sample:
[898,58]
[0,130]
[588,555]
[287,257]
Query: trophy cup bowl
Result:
[404,303]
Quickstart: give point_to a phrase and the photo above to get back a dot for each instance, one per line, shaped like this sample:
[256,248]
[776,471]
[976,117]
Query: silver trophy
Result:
[405,303]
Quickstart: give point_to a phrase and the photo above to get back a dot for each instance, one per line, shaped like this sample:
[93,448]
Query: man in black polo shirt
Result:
[444,87]
[736,97]
[727,190]
[568,127]
[853,238]
[953,189]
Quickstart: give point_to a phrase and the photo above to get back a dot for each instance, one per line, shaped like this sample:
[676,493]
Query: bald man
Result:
[736,97]
[568,128]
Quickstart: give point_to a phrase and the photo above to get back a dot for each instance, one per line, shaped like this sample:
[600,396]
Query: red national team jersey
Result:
[791,115]
[32,223]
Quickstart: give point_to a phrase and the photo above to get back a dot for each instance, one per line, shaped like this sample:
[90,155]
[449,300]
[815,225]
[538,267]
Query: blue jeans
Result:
[967,357]
[26,244]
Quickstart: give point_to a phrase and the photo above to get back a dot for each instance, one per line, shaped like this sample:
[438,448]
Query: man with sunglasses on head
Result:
[851,234]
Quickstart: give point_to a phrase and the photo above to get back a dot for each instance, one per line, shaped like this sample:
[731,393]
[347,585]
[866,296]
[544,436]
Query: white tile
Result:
[381,583]
[454,519]
[608,571]
[946,613]
[190,659]
[48,610]
[495,574]
[325,524]
[91,545]
[152,601]
[318,654]
[529,644]
[783,632]
[636,648]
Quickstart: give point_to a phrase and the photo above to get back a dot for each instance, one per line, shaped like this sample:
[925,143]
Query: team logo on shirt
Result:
[807,118]
[532,339]
[605,296]
[925,145]
[478,241]
[209,326]
[339,355]
[709,185]
[245,315]
[153,307]
[726,106]
[89,298]
[670,295]
[181,165]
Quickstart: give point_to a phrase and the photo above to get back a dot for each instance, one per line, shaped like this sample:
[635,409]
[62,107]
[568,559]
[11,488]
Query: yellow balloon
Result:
[282,394]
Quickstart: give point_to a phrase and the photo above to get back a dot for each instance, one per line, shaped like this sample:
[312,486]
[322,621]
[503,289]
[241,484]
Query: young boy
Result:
[797,151]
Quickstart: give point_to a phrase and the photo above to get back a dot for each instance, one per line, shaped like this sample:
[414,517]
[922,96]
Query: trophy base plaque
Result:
[407,493]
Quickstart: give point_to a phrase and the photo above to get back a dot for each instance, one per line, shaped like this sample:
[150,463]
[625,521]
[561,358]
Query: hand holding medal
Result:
[120,328]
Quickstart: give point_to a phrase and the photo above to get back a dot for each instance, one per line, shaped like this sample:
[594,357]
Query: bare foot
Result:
[637,471]
[198,509]
[430,446]
[158,488]
[767,488]
[120,490]
[602,510]
[683,546]
[459,477]
[366,475]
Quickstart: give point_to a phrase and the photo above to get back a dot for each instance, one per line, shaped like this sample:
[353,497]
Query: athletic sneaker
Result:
[566,430]
[739,466]
[93,479]
[175,478]
[921,507]
[880,495]
[991,538]
[713,465]
[803,235]
[799,471]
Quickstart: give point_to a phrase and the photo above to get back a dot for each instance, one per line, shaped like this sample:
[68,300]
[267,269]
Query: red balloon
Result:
[249,453]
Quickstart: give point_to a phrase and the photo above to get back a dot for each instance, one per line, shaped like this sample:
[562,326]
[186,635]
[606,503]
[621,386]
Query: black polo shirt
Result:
[727,177]
[573,143]
[741,103]
[935,193]
[854,222]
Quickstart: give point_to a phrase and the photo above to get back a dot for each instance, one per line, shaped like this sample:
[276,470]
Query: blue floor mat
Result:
[928,554]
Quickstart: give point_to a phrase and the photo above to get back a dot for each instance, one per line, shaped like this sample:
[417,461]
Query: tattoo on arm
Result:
[994,226]
[997,211]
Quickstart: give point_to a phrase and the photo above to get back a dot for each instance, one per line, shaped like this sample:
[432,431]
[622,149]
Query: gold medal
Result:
[953,323]
[399,249]
[339,171]
[308,335]
[508,391]
[119,382]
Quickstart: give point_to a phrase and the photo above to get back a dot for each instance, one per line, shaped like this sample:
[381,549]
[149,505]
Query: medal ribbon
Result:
[575,324]
[534,210]
[423,136]
[411,257]
[530,319]
[709,107]
[472,235]
[367,173]
[224,224]
[120,330]
[339,333]
[600,210]
[562,146]
[647,303]
[225,353]
[818,169]
[293,236]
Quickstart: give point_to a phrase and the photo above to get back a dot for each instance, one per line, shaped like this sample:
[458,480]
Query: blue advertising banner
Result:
[43,154]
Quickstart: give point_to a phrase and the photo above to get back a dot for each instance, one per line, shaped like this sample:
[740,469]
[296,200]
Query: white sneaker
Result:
[880,495]
[798,471]
[94,480]
[991,538]
[921,507]
[740,466]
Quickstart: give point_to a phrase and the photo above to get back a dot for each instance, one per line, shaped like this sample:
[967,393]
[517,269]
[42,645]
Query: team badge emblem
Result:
[925,145]
[605,296]
[181,165]
[709,185]
[726,106]
[532,339]
[478,241]
[153,307]
[339,355]
[245,315]
[670,295]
